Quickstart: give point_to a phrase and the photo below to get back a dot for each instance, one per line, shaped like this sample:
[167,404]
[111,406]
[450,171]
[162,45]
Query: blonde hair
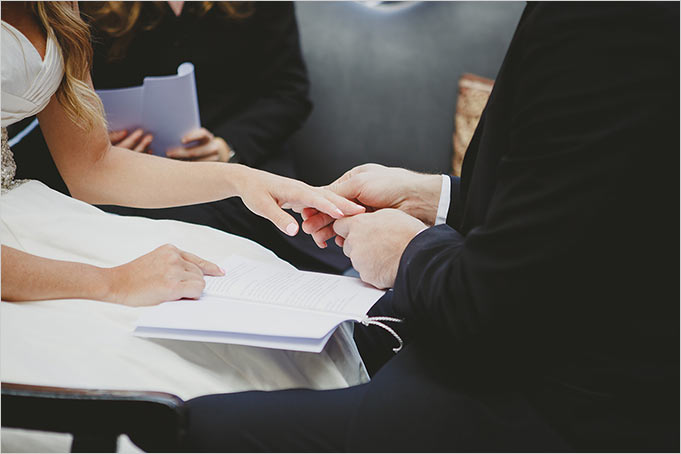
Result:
[80,102]
[122,20]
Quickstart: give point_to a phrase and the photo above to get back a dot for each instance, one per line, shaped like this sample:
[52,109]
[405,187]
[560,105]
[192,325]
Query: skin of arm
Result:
[99,173]
[55,279]
[164,274]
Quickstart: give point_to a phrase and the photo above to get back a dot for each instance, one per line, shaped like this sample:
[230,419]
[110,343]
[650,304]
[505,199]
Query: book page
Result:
[213,317]
[250,280]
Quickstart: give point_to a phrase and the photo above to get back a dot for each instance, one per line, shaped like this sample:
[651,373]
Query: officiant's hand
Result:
[377,258]
[136,141]
[376,186]
[268,195]
[164,274]
[200,145]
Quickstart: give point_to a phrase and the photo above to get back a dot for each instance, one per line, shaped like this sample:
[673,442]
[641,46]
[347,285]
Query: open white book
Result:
[264,305]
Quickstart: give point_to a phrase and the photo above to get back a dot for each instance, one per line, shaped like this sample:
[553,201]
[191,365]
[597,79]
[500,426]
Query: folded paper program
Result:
[165,106]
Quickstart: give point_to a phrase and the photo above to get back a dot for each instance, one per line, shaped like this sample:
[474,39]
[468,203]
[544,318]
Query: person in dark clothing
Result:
[253,95]
[543,315]
[250,75]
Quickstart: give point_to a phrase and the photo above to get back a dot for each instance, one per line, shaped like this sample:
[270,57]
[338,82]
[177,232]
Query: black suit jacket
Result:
[557,272]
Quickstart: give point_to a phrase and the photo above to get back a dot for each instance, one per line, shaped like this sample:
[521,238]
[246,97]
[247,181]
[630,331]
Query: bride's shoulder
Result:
[11,39]
[28,78]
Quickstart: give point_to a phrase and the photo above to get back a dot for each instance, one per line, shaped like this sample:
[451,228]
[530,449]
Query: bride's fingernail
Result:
[222,270]
[339,212]
[292,228]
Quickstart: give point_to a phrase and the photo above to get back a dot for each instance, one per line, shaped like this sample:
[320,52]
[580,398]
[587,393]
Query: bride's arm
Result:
[56,279]
[99,173]
[164,274]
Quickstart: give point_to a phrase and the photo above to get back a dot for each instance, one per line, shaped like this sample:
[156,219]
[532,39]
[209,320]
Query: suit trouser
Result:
[413,403]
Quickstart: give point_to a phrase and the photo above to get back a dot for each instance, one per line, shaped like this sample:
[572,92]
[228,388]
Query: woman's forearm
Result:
[164,274]
[99,173]
[124,177]
[27,277]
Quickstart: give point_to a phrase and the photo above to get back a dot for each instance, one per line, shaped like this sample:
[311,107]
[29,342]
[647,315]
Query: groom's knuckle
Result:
[363,178]
[347,247]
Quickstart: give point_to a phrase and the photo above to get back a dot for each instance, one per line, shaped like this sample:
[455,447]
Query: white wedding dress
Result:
[89,344]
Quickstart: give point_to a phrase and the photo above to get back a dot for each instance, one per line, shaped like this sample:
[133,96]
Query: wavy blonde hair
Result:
[80,102]
[122,20]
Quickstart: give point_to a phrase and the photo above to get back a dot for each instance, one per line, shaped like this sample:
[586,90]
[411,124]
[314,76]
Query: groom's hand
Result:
[375,243]
[375,187]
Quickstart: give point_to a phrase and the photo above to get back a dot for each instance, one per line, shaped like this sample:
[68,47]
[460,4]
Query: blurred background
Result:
[384,79]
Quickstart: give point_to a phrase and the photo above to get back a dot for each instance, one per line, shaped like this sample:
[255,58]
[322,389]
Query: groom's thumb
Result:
[347,188]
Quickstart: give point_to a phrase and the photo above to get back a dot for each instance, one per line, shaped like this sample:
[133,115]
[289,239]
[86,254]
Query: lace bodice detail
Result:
[9,168]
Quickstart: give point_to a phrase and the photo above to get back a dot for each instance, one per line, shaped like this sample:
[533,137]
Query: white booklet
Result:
[264,305]
[165,106]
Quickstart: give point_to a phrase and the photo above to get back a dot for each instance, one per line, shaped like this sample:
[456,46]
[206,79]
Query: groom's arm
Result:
[558,226]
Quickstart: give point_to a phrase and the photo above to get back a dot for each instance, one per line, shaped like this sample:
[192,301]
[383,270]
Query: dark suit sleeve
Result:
[260,128]
[588,99]
[454,200]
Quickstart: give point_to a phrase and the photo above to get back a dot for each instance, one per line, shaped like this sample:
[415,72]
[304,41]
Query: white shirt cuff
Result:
[443,205]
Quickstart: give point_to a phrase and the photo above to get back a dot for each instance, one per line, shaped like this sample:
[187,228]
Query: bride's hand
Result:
[164,274]
[267,195]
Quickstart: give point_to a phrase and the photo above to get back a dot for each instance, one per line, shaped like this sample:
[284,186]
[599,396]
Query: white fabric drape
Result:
[28,81]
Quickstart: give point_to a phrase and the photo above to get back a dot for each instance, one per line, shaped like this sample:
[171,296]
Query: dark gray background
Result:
[384,81]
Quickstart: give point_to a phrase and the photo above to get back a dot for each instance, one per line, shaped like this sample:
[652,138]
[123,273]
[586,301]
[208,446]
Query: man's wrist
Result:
[425,198]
